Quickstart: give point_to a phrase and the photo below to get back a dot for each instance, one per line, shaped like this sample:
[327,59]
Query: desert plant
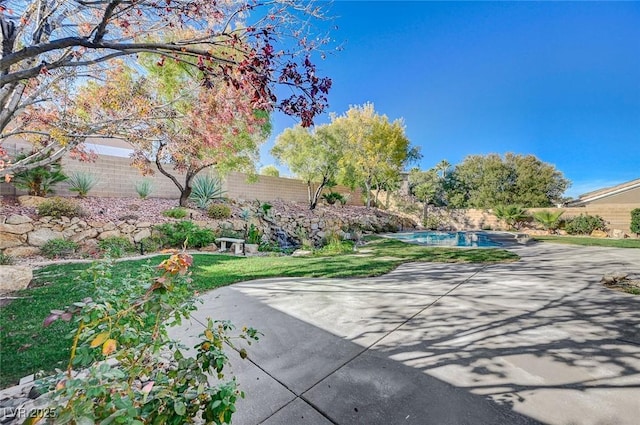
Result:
[5,259]
[219,211]
[512,215]
[334,245]
[143,188]
[116,246]
[154,379]
[206,188]
[333,197]
[58,207]
[305,240]
[584,224]
[177,212]
[186,233]
[152,243]
[39,181]
[58,248]
[550,220]
[82,182]
[635,221]
[253,235]
[266,208]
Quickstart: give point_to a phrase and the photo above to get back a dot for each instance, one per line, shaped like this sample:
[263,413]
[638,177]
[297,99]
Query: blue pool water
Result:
[432,238]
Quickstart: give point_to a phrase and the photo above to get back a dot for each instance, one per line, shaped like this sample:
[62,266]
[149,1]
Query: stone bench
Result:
[239,244]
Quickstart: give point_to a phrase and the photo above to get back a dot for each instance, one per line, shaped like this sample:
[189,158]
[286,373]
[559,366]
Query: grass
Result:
[589,241]
[27,347]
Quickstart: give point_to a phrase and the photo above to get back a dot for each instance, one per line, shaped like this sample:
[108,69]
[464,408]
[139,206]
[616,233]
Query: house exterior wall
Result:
[631,196]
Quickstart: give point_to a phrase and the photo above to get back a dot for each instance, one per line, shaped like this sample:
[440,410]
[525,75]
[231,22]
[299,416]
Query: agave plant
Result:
[512,215]
[82,182]
[206,188]
[550,220]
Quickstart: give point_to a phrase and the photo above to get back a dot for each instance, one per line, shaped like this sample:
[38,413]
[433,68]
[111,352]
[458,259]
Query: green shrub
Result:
[177,212]
[219,211]
[333,197]
[153,243]
[82,182]
[336,247]
[584,224]
[206,188]
[5,260]
[266,208]
[431,222]
[186,233]
[58,207]
[635,220]
[143,188]
[58,248]
[253,235]
[116,246]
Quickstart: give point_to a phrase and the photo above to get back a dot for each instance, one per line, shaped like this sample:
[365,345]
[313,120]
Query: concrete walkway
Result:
[536,341]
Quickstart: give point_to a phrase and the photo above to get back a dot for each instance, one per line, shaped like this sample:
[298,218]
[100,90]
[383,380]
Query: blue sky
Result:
[557,80]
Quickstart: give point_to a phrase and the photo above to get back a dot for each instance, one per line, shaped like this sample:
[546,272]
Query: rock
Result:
[613,278]
[144,233]
[599,234]
[18,219]
[22,251]
[127,228]
[8,240]
[14,278]
[618,234]
[17,229]
[30,201]
[301,253]
[40,236]
[143,224]
[209,248]
[85,234]
[109,234]
[89,247]
[109,227]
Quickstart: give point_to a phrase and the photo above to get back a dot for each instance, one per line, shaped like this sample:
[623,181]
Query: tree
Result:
[312,155]
[49,48]
[270,170]
[635,221]
[376,150]
[180,123]
[486,181]
[512,215]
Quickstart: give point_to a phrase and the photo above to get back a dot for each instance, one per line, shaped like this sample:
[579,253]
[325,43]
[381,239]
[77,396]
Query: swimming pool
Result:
[433,238]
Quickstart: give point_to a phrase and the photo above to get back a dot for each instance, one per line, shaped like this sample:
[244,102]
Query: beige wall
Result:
[117,178]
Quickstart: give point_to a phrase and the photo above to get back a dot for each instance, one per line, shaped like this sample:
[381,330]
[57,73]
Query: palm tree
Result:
[550,220]
[512,215]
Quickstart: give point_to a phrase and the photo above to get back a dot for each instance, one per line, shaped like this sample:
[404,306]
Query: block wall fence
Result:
[117,178]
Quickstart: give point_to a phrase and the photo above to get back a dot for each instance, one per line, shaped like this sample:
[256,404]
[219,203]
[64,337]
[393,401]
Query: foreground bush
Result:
[584,224]
[151,381]
[219,211]
[58,207]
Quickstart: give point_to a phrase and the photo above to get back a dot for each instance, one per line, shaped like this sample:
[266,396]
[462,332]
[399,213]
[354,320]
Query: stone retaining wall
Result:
[22,236]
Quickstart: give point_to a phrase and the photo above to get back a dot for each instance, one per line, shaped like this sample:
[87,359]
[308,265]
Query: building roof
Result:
[603,193]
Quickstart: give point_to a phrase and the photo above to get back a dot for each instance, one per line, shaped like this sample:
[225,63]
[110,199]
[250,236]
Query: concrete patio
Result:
[535,341]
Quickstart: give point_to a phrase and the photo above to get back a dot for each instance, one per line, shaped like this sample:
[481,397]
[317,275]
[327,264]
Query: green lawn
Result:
[589,241]
[26,347]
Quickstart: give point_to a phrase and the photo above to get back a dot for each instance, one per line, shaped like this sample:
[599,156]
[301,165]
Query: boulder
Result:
[618,234]
[40,236]
[14,278]
[17,229]
[18,219]
[85,234]
[599,234]
[22,251]
[109,234]
[301,253]
[8,240]
[30,201]
[143,233]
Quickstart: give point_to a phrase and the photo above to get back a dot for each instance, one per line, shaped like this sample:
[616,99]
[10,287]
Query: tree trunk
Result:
[367,189]
[184,196]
